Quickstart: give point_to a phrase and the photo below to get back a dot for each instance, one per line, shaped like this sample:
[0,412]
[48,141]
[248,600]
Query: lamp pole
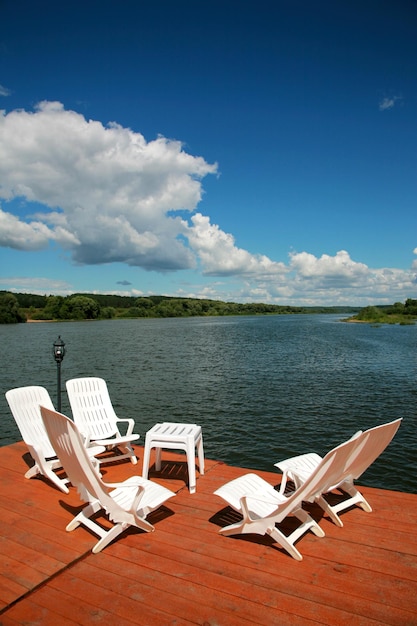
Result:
[59,353]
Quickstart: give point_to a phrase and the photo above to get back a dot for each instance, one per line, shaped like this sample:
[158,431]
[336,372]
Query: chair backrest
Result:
[24,404]
[331,469]
[75,460]
[376,440]
[91,407]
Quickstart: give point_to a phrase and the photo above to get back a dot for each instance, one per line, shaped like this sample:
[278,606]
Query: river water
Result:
[263,388]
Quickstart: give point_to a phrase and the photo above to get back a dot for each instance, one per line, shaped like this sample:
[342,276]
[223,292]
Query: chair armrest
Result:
[244,503]
[283,484]
[298,468]
[85,439]
[137,499]
[118,485]
[130,424]
[139,491]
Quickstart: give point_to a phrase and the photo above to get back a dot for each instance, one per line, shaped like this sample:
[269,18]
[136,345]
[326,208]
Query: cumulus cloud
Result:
[17,234]
[339,267]
[220,256]
[335,279]
[110,194]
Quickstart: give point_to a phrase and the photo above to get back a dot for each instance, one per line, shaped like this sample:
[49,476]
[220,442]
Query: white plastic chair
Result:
[126,504]
[263,507]
[374,441]
[24,404]
[95,417]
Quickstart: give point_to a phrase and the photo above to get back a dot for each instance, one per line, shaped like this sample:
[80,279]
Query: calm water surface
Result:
[263,388]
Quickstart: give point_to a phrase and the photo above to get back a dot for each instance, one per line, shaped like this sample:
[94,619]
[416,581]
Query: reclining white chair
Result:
[126,504]
[299,468]
[263,507]
[95,417]
[24,404]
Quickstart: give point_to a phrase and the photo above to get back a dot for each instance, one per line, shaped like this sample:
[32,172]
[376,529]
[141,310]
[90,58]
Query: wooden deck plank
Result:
[359,546]
[68,607]
[207,553]
[259,600]
[115,591]
[185,572]
[220,558]
[31,613]
[9,591]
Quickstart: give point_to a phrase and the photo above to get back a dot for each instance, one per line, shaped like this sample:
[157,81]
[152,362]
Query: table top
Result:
[174,430]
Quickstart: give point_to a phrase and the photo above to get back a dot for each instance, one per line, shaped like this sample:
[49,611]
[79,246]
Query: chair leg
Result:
[355,498]
[234,529]
[109,537]
[307,523]
[48,472]
[243,528]
[146,457]
[200,450]
[127,449]
[45,468]
[83,518]
[158,457]
[191,466]
[280,538]
[323,504]
[58,482]
[33,471]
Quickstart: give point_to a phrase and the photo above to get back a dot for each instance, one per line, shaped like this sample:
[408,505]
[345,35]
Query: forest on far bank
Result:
[396,313]
[23,307]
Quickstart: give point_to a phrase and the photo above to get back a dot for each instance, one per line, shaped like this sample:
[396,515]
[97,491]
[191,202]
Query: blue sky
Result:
[247,151]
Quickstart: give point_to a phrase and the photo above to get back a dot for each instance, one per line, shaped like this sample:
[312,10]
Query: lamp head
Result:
[59,349]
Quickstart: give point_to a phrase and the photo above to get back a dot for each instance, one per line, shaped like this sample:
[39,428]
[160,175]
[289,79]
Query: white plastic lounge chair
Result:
[95,417]
[375,440]
[126,504]
[24,404]
[263,507]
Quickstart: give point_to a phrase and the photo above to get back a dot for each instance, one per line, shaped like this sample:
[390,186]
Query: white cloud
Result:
[326,280]
[17,234]
[110,193]
[110,196]
[388,103]
[39,286]
[4,91]
[340,267]
[220,256]
[340,280]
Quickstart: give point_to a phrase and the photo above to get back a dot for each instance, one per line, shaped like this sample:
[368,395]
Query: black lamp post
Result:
[59,353]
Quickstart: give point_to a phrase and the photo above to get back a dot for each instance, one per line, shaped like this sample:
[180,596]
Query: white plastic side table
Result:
[173,436]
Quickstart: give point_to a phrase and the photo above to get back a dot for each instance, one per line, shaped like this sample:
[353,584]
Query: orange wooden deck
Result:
[186,573]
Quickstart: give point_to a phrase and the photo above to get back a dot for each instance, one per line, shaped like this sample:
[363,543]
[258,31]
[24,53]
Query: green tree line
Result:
[397,313]
[20,307]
